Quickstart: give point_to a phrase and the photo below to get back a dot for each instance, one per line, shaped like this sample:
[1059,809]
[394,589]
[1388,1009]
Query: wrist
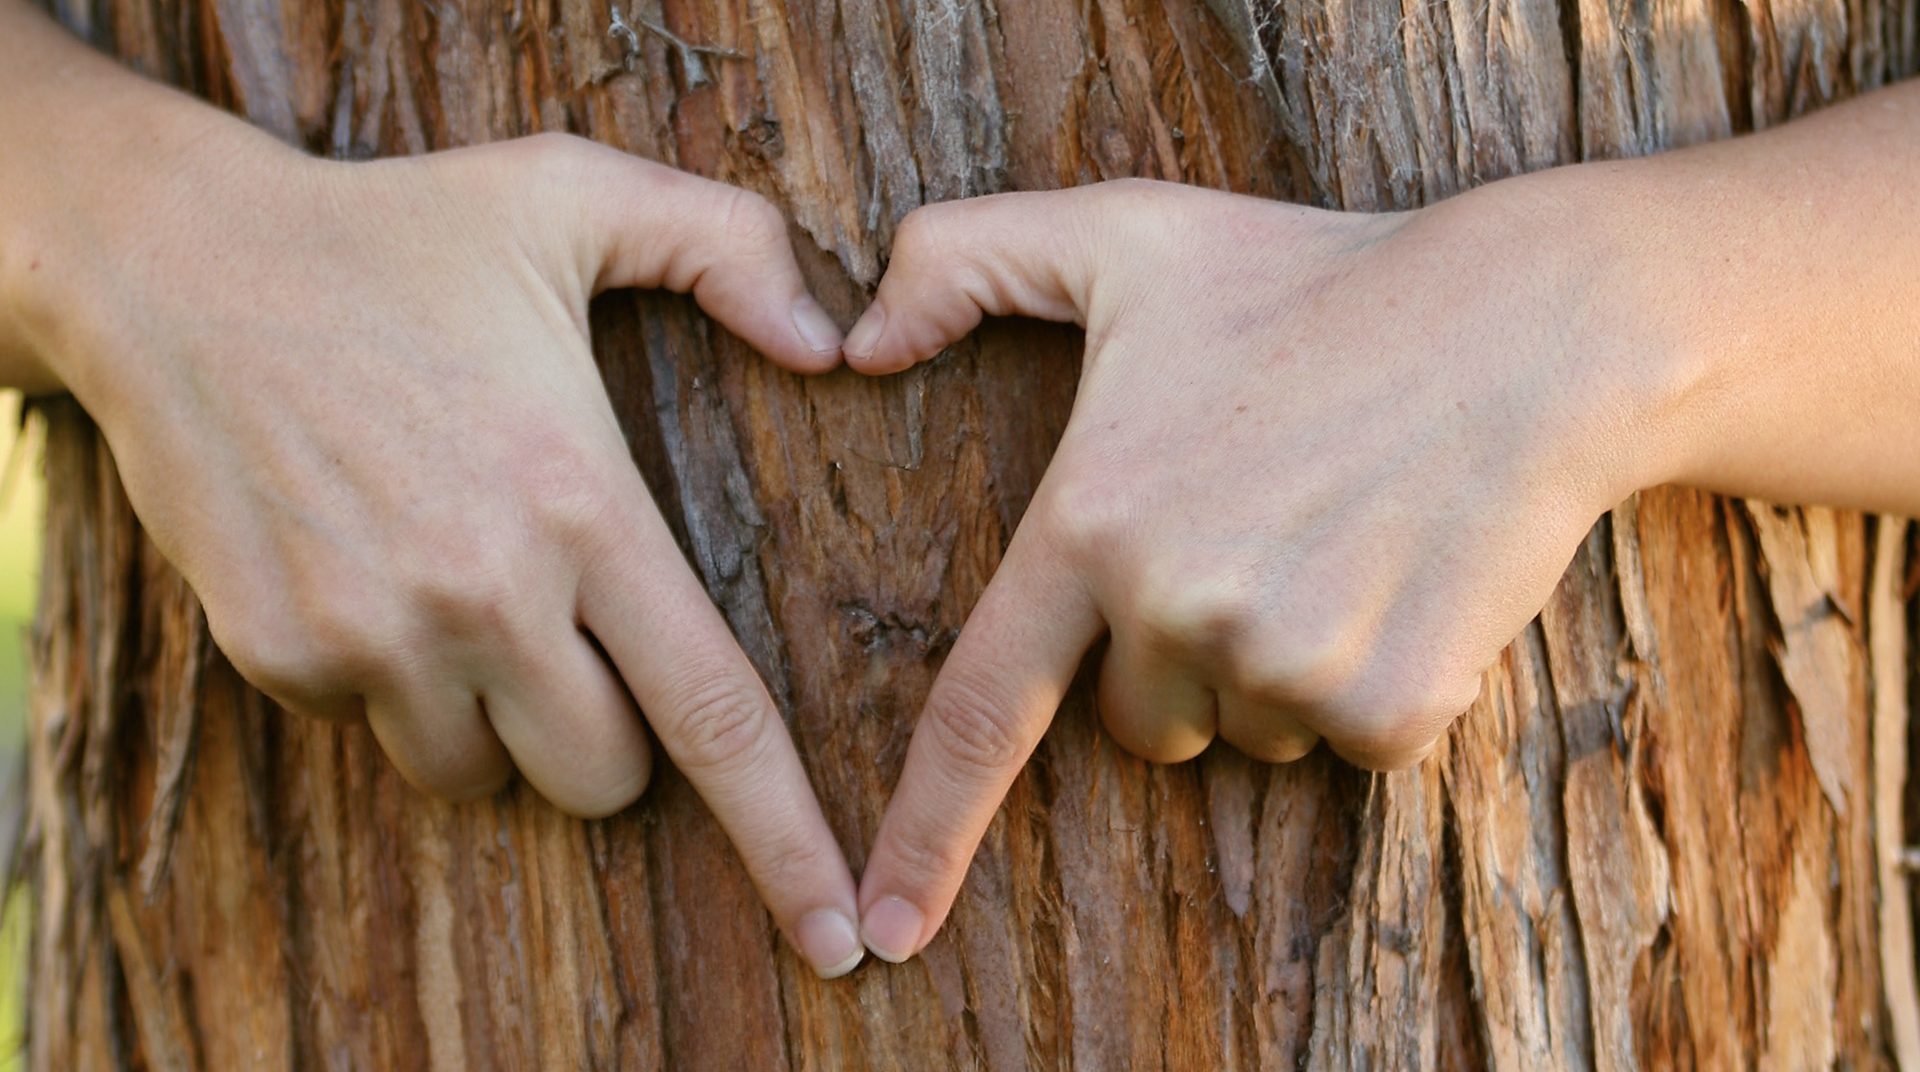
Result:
[1626,385]
[99,211]
[1756,295]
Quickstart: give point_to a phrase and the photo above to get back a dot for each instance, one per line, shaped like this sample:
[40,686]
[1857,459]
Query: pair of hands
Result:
[1321,467]
[356,406]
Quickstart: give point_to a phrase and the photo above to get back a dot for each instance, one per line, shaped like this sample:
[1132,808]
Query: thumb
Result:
[648,225]
[1028,254]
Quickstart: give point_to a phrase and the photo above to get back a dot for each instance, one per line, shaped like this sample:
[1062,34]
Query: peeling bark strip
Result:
[1667,835]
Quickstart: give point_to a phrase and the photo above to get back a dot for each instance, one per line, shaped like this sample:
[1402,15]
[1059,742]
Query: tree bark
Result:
[1667,835]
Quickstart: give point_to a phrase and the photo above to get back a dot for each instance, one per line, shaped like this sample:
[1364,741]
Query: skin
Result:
[356,406]
[1323,467]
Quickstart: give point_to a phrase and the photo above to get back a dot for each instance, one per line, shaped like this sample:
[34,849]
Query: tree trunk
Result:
[1667,835]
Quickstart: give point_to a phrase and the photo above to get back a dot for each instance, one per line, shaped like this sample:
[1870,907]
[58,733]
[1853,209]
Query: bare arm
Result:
[1323,467]
[355,404]
[1774,281]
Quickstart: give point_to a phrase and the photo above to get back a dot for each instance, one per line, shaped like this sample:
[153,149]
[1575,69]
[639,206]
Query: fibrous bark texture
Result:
[1666,836]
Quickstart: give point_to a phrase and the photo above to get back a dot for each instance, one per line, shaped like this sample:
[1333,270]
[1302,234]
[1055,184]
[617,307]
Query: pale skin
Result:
[1321,467]
[356,406]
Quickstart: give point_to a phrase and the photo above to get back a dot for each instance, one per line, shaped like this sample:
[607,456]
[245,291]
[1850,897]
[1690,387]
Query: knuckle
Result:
[438,751]
[1393,719]
[274,661]
[597,769]
[752,222]
[1385,753]
[564,487]
[719,725]
[466,587]
[1086,515]
[785,861]
[923,858]
[1301,662]
[332,643]
[1185,609]
[916,238]
[973,728]
[538,168]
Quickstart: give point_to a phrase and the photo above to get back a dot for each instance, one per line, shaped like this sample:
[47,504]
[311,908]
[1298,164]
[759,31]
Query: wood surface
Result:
[1667,836]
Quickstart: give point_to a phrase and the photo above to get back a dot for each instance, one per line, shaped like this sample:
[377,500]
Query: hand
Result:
[356,406]
[1321,468]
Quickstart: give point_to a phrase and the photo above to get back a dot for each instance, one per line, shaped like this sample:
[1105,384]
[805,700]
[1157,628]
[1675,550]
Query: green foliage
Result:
[22,506]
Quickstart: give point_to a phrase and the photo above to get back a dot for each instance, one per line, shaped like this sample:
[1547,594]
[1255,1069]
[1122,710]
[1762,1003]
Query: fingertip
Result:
[864,337]
[803,338]
[440,741]
[830,943]
[995,695]
[820,338]
[726,246]
[892,928]
[870,352]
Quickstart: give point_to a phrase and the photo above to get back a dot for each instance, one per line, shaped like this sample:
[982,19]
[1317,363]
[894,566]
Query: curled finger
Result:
[1263,730]
[570,726]
[1153,703]
[438,737]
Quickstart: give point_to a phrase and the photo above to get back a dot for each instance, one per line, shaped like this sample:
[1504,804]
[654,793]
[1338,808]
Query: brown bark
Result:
[1666,836]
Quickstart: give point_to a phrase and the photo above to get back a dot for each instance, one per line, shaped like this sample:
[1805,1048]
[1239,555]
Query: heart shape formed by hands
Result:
[1321,467]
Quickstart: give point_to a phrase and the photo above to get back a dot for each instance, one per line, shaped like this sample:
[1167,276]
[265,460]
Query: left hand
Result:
[381,453]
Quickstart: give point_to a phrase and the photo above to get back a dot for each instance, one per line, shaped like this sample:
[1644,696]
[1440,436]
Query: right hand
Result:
[356,406]
[1321,468]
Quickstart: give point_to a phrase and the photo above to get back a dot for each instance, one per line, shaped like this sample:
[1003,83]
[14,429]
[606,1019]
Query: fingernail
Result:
[892,929]
[866,333]
[815,326]
[827,939]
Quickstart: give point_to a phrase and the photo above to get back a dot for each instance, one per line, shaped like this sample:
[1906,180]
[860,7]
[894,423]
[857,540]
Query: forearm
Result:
[1772,284]
[91,149]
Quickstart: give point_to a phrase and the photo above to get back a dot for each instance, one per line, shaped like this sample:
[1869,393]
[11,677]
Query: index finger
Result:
[987,711]
[715,719]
